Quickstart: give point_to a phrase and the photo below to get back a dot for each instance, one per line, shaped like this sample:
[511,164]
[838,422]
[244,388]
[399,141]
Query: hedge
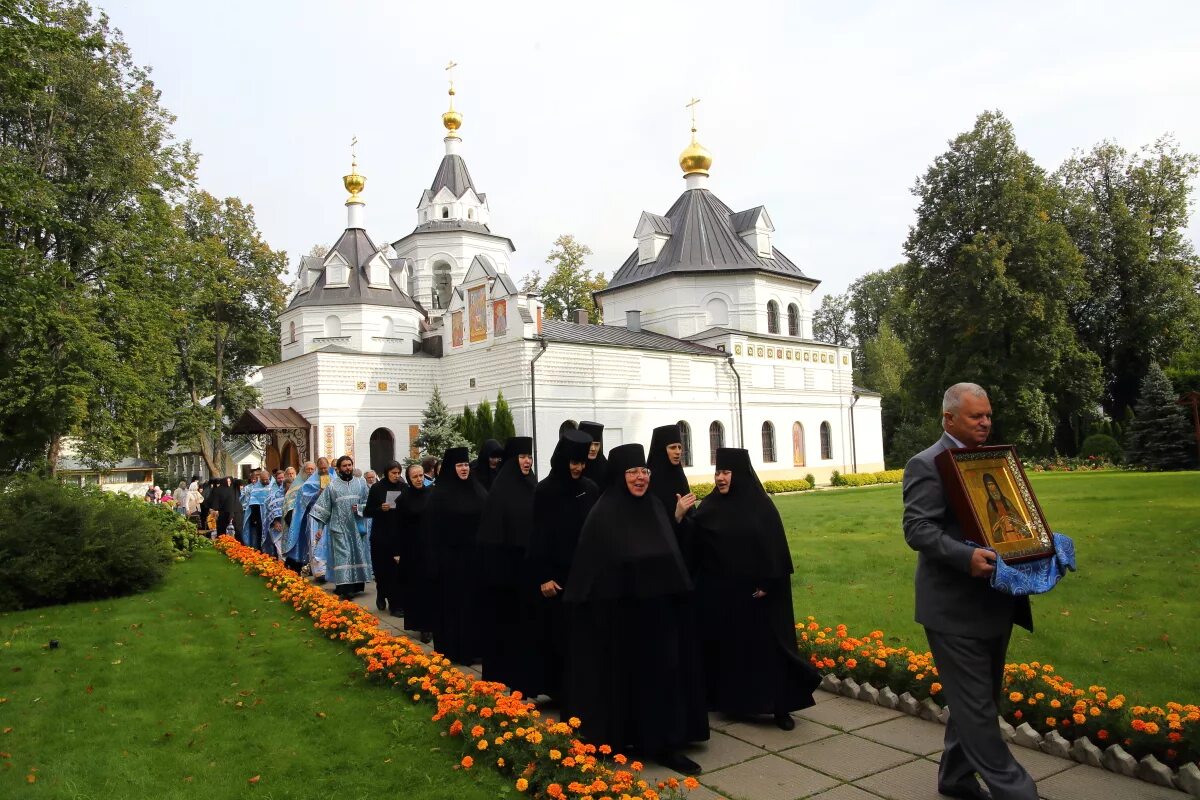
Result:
[867,478]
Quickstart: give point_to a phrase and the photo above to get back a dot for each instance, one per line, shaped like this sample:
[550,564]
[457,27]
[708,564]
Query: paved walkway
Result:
[843,749]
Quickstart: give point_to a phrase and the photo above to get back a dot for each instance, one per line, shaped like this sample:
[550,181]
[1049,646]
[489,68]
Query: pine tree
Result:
[504,428]
[485,423]
[439,431]
[1160,436]
[466,425]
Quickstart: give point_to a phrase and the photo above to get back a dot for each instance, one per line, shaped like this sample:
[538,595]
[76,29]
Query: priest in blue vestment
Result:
[338,513]
[254,505]
[299,546]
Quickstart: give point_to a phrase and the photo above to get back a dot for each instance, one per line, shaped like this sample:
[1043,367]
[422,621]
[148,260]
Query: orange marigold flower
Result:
[482,744]
[522,784]
[851,663]
[691,782]
[1016,697]
[467,762]
[1102,734]
[935,687]
[1079,719]
[605,749]
[574,722]
[1051,721]
[619,758]
[477,731]
[554,790]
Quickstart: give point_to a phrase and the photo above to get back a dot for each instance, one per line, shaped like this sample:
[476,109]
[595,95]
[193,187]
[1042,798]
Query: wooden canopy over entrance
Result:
[282,434]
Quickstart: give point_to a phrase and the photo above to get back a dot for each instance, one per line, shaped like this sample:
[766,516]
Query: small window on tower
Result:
[445,212]
[470,213]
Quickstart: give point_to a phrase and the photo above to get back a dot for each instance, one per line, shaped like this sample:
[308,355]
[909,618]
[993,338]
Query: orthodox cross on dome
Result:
[353,151]
[450,73]
[692,106]
[452,120]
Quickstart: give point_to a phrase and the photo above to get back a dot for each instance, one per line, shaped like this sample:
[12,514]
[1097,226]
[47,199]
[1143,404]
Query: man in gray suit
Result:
[967,623]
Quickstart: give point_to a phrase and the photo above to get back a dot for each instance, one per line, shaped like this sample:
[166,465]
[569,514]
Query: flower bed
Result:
[1073,464]
[494,728]
[1033,693]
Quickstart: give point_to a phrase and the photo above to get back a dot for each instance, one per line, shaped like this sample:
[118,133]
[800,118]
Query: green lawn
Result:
[1129,619]
[192,689]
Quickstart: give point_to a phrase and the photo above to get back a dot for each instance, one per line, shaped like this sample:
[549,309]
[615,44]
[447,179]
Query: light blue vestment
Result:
[349,561]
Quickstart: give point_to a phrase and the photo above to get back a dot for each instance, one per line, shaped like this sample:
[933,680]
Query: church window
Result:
[716,440]
[793,320]
[470,213]
[826,441]
[772,317]
[768,442]
[718,311]
[685,438]
[445,212]
[333,326]
[292,332]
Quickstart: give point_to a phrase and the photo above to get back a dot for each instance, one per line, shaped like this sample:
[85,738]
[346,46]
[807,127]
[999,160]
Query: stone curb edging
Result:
[1113,758]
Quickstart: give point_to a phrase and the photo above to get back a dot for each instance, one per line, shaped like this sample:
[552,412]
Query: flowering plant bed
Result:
[1071,464]
[494,727]
[1033,693]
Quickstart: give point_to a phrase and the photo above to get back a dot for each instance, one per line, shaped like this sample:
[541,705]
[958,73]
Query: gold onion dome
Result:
[354,184]
[452,119]
[695,158]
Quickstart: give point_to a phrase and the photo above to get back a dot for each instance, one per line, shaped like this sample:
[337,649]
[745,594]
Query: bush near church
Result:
[62,544]
[866,478]
[1100,445]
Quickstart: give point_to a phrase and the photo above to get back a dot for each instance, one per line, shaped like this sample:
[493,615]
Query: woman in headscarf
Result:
[450,523]
[561,503]
[597,464]
[416,557]
[744,598]
[665,460]
[487,466]
[511,630]
[382,502]
[626,595]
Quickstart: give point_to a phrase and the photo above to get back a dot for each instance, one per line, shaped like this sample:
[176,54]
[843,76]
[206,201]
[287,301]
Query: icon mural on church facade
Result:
[477,313]
[456,329]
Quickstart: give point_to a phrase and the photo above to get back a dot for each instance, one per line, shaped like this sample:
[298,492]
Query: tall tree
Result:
[503,428]
[570,283]
[88,168]
[874,299]
[1161,435]
[226,320]
[485,423]
[438,430]
[468,427]
[831,322]
[1127,214]
[990,277]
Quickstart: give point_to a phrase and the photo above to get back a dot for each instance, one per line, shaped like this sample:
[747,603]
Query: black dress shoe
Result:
[677,761]
[381,602]
[426,637]
[784,721]
[966,792]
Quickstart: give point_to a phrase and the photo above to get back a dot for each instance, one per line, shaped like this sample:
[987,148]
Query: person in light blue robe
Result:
[299,551]
[254,505]
[338,514]
[273,528]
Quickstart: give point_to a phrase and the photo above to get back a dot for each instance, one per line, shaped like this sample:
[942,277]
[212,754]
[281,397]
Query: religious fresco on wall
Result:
[477,313]
[499,317]
[329,441]
[456,329]
[348,440]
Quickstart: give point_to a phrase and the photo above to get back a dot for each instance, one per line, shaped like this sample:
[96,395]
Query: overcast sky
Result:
[574,112]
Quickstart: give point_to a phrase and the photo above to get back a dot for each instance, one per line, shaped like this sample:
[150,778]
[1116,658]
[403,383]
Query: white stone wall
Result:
[363,328]
[454,248]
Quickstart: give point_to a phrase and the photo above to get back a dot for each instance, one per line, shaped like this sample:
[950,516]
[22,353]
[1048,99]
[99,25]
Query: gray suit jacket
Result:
[949,600]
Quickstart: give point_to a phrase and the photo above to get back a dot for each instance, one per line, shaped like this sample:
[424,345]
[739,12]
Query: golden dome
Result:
[452,119]
[695,158]
[354,184]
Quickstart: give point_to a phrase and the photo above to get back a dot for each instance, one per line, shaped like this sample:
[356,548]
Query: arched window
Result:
[717,311]
[793,319]
[333,326]
[797,444]
[716,439]
[389,327]
[441,284]
[445,212]
[685,438]
[292,332]
[772,317]
[470,213]
[826,441]
[768,443]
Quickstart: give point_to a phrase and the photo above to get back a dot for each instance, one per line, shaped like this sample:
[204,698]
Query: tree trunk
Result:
[53,453]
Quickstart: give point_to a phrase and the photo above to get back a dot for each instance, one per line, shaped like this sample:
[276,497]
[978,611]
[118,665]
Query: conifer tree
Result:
[1160,436]
[504,428]
[485,423]
[439,430]
[466,425]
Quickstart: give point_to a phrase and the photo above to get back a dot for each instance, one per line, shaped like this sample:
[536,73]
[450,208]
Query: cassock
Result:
[481,467]
[511,629]
[597,468]
[560,506]
[751,662]
[339,511]
[451,522]
[666,479]
[385,541]
[627,594]
[416,559]
[254,502]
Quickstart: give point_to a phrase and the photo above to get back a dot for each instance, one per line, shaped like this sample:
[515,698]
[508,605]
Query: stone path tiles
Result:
[847,756]
[767,735]
[1039,765]
[768,778]
[1089,783]
[821,696]
[717,721]
[907,733]
[916,780]
[847,714]
[845,792]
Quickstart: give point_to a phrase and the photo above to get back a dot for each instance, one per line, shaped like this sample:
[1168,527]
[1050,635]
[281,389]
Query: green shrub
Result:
[702,490]
[867,478]
[1100,445]
[812,479]
[61,544]
[775,487]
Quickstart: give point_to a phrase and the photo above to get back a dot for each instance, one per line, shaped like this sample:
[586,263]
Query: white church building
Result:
[706,324]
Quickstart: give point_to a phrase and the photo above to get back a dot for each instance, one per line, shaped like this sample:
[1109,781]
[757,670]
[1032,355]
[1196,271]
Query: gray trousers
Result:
[971,672]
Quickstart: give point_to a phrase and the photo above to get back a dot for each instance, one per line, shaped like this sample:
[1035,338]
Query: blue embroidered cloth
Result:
[1036,577]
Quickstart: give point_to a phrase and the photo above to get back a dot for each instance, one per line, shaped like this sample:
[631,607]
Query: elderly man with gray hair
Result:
[967,622]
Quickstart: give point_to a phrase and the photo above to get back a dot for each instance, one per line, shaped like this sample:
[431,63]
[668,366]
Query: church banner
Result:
[499,317]
[477,313]
[456,329]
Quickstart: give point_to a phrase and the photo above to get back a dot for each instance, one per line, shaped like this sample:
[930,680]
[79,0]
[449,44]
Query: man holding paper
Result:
[338,513]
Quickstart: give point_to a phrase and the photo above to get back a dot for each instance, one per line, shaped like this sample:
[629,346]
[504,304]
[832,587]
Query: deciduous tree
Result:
[570,283]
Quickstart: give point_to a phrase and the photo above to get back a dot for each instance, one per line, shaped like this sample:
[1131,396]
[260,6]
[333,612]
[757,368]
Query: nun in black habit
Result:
[513,623]
[450,523]
[487,466]
[597,464]
[665,460]
[385,538]
[627,597]
[417,586]
[744,596]
[561,503]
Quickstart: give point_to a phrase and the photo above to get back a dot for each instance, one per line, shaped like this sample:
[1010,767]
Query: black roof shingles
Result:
[557,330]
[357,248]
[453,174]
[703,239]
